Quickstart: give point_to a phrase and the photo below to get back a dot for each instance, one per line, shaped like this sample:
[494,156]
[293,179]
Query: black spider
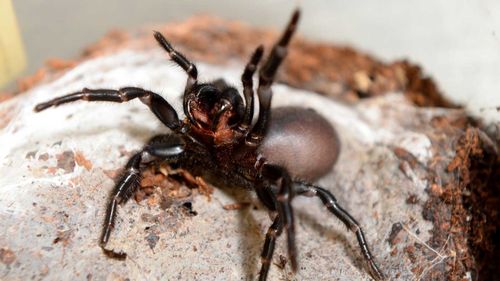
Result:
[219,141]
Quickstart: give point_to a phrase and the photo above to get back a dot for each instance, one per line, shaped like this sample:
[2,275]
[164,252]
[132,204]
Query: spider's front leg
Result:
[267,74]
[310,190]
[247,81]
[279,178]
[158,105]
[187,66]
[163,147]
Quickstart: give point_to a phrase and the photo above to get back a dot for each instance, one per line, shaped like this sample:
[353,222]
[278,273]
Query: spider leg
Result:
[179,59]
[247,81]
[185,64]
[266,77]
[168,151]
[279,177]
[268,198]
[274,231]
[310,190]
[158,105]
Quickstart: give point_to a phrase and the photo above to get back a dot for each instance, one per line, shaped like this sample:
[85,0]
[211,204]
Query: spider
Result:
[278,155]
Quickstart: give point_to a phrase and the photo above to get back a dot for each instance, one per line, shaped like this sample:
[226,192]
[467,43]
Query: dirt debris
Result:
[163,185]
[236,206]
[66,161]
[64,237]
[82,161]
[7,256]
[393,236]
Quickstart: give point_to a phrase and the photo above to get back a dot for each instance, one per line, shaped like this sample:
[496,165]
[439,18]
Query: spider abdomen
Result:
[302,141]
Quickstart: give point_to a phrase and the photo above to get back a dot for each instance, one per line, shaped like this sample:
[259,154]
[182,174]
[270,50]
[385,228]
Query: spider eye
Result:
[207,96]
[207,93]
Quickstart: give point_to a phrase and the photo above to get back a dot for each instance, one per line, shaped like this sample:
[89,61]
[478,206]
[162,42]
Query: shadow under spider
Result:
[251,237]
[131,131]
[332,235]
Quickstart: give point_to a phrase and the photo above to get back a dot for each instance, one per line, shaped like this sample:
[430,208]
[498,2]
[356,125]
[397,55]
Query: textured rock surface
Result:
[58,166]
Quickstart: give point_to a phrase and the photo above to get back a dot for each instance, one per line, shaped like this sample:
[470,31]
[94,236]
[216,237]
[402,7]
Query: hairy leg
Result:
[247,81]
[266,78]
[161,147]
[310,190]
[179,59]
[280,179]
[274,231]
[158,105]
[186,65]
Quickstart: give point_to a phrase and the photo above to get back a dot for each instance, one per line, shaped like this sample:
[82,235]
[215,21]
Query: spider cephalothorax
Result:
[277,155]
[216,110]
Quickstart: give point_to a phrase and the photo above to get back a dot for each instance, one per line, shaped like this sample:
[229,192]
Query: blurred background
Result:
[456,42]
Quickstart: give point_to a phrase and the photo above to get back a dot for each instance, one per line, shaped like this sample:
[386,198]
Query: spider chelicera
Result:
[278,155]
